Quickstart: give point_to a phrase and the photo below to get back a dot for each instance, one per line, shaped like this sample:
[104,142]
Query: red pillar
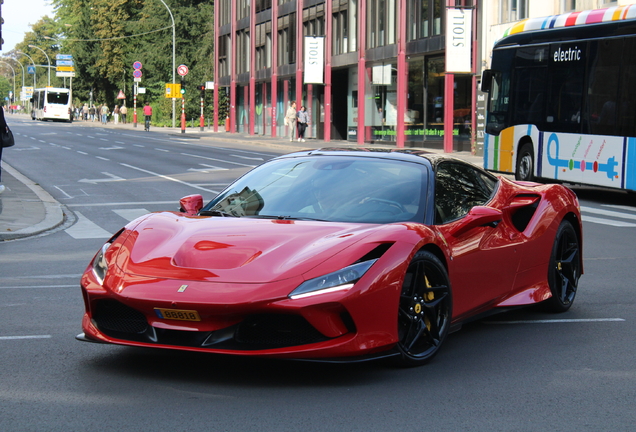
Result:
[362,70]
[327,95]
[402,75]
[215,70]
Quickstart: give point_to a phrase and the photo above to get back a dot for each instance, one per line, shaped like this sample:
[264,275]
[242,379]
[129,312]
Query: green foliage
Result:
[106,37]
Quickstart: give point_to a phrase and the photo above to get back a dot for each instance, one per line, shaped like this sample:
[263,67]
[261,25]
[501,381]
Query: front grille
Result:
[277,331]
[113,316]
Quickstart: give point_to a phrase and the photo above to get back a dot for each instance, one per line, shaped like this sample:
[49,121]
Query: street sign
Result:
[121,95]
[173,90]
[209,85]
[64,57]
[31,70]
[65,69]
[182,70]
[137,79]
[64,62]
[137,65]
[65,74]
[137,73]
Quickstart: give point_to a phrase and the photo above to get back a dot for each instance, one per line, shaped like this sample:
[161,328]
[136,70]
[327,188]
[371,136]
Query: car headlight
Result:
[100,264]
[340,280]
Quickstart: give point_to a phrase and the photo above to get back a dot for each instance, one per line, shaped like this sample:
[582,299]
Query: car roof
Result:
[408,155]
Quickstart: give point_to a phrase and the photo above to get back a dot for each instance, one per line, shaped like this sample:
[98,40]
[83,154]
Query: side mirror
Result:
[486,80]
[191,204]
[477,216]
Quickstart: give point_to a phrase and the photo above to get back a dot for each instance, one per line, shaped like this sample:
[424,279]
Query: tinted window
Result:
[458,188]
[331,188]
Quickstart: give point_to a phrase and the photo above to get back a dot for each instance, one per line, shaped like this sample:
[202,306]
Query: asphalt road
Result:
[520,371]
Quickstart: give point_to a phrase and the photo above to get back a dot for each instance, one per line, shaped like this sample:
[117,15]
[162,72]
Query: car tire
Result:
[525,163]
[564,269]
[425,310]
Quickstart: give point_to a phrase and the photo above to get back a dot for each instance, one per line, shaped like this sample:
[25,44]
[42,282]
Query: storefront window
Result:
[381,106]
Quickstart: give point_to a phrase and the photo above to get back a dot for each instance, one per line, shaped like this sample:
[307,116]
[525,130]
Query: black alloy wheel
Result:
[424,314]
[565,268]
[525,163]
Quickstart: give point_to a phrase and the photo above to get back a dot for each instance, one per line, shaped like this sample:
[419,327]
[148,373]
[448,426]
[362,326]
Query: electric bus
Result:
[51,104]
[562,99]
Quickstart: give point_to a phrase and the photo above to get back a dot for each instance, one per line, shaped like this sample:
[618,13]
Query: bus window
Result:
[565,92]
[57,98]
[529,85]
[499,96]
[627,94]
[601,107]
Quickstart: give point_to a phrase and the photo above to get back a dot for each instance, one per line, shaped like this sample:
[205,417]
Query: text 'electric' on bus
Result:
[51,104]
[562,99]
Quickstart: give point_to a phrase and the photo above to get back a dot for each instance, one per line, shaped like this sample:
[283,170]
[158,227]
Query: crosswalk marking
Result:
[610,213]
[86,229]
[131,214]
[610,222]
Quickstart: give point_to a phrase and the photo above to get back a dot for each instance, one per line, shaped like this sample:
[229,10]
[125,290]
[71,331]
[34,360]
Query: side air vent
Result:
[522,209]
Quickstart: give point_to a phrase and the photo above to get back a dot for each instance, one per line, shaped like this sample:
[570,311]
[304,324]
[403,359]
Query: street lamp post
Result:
[47,59]
[13,70]
[173,59]
[34,67]
[22,66]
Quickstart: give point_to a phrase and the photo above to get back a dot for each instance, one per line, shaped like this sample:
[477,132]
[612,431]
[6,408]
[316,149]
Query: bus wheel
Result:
[525,163]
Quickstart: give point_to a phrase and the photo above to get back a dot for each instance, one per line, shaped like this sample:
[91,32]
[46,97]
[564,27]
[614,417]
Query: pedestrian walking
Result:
[116,114]
[123,111]
[91,112]
[5,128]
[290,120]
[148,115]
[303,121]
[104,112]
[85,112]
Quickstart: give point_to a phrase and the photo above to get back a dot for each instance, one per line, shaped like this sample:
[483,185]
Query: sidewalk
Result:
[27,210]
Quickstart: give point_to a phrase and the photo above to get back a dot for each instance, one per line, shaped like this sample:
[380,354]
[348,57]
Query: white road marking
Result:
[162,150]
[246,157]
[620,207]
[102,158]
[169,178]
[25,337]
[111,148]
[554,321]
[81,152]
[218,160]
[86,229]
[608,213]
[131,214]
[607,222]
[112,178]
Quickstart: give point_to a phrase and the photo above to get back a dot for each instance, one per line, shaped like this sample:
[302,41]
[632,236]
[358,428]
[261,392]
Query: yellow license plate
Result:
[178,314]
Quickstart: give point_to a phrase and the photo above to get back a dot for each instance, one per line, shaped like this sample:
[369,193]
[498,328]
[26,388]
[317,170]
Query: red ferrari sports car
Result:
[336,255]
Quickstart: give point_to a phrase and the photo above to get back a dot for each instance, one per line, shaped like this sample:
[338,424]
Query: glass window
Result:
[602,110]
[458,188]
[330,188]
[565,95]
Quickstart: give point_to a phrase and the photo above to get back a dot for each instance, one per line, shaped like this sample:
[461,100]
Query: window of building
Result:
[287,39]
[424,18]
[225,50]
[242,51]
[344,26]
[262,5]
[263,45]
[225,12]
[242,9]
[314,21]
[381,22]
[513,10]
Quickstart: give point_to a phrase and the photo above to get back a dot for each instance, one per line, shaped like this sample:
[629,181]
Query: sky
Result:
[18,14]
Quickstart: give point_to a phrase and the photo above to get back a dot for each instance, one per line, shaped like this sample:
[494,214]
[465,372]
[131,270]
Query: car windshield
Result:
[329,188]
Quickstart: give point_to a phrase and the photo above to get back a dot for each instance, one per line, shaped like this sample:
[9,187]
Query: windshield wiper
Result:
[283,217]
[216,213]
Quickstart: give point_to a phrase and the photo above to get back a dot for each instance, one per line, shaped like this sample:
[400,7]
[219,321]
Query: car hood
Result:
[235,250]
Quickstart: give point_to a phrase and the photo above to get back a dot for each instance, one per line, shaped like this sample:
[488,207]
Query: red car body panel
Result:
[231,269]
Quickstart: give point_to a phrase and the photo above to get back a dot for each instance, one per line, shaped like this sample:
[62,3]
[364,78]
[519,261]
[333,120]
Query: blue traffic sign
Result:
[64,57]
[137,65]
[31,70]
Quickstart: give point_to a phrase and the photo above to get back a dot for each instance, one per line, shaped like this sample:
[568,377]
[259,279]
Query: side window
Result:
[458,188]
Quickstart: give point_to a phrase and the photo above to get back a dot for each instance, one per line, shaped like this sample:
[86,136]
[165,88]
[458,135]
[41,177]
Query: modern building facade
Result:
[368,71]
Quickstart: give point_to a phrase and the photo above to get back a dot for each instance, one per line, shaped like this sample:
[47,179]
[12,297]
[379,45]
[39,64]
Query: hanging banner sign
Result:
[459,23]
[314,59]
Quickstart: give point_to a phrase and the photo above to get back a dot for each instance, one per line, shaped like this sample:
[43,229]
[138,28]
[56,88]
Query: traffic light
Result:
[183,88]
[201,87]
